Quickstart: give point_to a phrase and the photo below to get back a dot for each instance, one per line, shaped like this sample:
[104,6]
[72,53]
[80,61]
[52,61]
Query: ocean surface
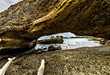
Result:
[70,43]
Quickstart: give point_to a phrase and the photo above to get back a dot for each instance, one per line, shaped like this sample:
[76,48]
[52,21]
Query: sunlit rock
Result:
[23,23]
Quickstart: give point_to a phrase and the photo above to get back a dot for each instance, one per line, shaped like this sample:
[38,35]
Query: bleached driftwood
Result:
[41,68]
[4,68]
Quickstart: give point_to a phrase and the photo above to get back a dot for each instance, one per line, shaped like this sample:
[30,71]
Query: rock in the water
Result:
[107,43]
[53,48]
[58,40]
[38,51]
[27,20]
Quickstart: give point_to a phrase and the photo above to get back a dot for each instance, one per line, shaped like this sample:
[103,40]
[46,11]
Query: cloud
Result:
[5,4]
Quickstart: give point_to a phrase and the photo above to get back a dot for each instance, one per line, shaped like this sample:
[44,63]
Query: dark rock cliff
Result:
[24,22]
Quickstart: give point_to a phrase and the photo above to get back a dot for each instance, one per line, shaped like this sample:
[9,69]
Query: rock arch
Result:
[24,22]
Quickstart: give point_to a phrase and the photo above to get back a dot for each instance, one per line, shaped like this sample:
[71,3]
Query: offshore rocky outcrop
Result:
[24,22]
[54,40]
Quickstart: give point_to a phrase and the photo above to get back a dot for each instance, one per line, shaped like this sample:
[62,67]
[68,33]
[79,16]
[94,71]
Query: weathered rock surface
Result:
[39,51]
[55,40]
[24,22]
[53,48]
[82,61]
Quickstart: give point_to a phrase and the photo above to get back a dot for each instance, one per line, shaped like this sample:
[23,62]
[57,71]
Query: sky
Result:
[5,4]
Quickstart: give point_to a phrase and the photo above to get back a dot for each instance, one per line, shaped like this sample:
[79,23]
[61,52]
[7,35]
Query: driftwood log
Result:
[23,23]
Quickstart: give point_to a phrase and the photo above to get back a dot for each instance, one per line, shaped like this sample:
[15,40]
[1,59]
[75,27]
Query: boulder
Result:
[53,48]
[23,23]
[107,43]
[42,50]
[38,51]
[102,40]
[55,40]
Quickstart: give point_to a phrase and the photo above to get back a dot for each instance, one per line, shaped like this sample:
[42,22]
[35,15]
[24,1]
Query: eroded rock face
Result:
[15,24]
[24,22]
[55,40]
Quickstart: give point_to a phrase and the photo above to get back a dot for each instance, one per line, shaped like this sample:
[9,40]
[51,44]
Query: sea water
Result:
[73,43]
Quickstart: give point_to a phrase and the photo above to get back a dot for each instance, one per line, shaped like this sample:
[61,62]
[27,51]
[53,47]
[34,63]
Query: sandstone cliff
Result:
[24,22]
